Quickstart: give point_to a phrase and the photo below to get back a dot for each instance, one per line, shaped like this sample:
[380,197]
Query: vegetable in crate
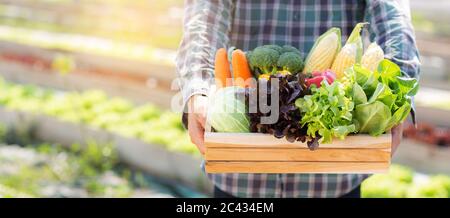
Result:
[372,57]
[289,48]
[288,125]
[269,60]
[324,51]
[351,53]
[382,98]
[228,111]
[318,77]
[327,112]
[290,63]
[264,60]
[222,68]
[241,70]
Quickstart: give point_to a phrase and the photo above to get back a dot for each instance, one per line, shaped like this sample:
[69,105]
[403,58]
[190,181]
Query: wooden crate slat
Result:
[296,167]
[302,154]
[262,153]
[258,140]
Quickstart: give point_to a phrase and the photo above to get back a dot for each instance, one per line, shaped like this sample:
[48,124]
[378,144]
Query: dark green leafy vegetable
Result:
[388,93]
[288,125]
[359,97]
[372,117]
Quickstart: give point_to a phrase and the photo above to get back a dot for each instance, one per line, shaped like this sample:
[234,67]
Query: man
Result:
[209,25]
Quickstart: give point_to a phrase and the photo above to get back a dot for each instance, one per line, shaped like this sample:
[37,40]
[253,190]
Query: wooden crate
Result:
[262,153]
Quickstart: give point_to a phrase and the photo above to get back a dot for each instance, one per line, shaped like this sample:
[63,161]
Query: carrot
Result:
[222,68]
[241,71]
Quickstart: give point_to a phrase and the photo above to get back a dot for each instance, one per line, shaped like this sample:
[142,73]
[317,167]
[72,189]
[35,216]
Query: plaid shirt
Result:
[245,24]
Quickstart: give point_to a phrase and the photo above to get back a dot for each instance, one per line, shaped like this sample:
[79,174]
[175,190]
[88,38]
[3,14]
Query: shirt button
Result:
[296,16]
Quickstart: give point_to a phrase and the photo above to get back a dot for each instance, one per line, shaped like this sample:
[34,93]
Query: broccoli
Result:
[290,61]
[277,48]
[288,48]
[264,59]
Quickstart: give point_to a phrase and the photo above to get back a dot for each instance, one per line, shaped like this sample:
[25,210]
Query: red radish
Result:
[315,80]
[318,77]
[316,73]
[330,74]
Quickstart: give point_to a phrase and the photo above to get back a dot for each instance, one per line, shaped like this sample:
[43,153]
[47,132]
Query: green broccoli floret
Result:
[264,59]
[288,48]
[277,48]
[290,61]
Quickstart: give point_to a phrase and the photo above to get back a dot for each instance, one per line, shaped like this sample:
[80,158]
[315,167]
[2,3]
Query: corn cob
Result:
[324,51]
[345,59]
[372,57]
[351,52]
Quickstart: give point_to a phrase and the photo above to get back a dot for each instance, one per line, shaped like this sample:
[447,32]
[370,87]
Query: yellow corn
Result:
[344,60]
[351,52]
[372,57]
[324,51]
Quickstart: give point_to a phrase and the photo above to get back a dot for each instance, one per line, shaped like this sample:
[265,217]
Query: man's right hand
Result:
[197,108]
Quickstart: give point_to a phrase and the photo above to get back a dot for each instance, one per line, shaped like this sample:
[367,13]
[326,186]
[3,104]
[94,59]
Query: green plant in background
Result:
[427,190]
[51,170]
[93,108]
[394,184]
[7,192]
[400,183]
[437,187]
[95,157]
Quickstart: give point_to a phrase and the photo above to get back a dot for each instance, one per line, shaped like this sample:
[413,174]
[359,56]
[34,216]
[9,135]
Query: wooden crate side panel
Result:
[301,154]
[257,140]
[296,167]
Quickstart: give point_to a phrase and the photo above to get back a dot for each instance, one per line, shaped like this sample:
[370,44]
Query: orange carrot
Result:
[222,68]
[241,70]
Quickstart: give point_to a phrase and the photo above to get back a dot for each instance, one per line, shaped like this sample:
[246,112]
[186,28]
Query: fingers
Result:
[199,106]
[196,132]
[201,119]
[196,121]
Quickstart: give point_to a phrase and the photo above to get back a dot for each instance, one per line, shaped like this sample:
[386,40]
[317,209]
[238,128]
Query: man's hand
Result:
[197,108]
[397,133]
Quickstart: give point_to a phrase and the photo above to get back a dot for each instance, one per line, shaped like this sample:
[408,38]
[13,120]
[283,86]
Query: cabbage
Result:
[228,112]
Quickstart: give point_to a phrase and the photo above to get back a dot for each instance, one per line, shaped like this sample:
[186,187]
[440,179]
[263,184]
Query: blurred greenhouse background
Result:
[85,89]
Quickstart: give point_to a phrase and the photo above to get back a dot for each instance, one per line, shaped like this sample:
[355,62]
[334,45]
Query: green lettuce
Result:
[327,112]
[382,98]
[373,118]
